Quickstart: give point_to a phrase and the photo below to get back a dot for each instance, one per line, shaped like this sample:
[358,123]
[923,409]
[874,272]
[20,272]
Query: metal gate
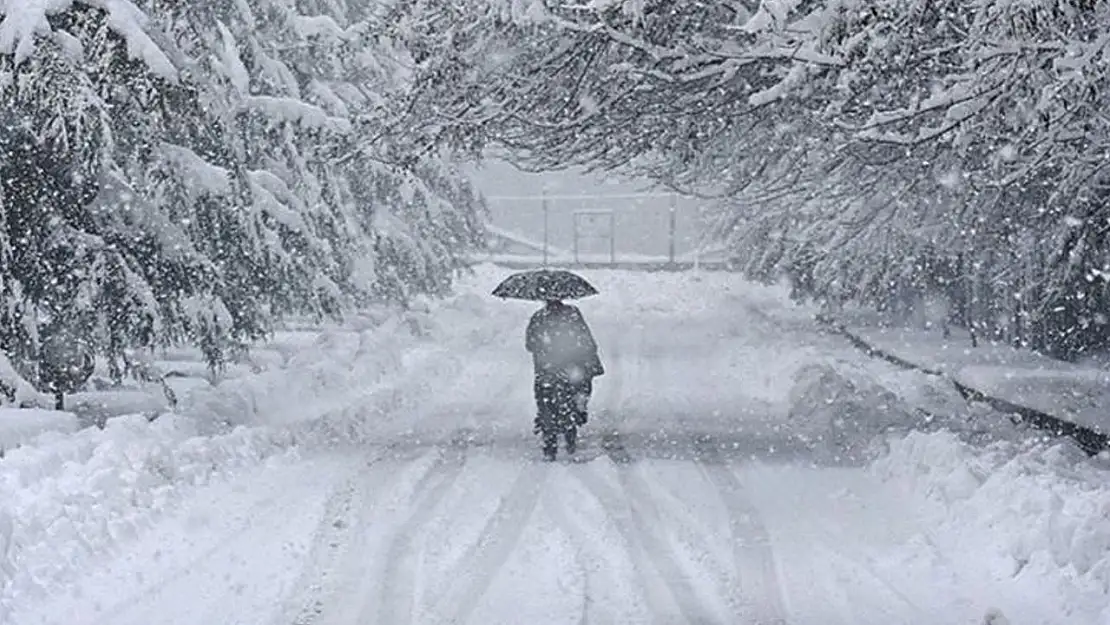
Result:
[594,224]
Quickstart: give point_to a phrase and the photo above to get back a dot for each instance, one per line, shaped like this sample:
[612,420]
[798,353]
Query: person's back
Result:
[558,338]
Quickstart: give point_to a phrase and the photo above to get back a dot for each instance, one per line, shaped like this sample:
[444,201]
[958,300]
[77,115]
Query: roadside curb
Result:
[1089,439]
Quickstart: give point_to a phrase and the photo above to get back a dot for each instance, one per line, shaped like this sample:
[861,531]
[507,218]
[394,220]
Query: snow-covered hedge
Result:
[1034,515]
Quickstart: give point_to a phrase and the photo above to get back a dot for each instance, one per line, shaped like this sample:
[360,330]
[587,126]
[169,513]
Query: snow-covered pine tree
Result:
[186,174]
[306,84]
[982,120]
[89,99]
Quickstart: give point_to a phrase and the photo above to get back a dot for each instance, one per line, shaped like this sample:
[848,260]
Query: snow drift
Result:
[1034,516]
[845,409]
[68,497]
[21,425]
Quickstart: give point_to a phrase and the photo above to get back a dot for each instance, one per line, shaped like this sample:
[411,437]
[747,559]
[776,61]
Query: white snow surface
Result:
[22,425]
[1074,392]
[385,472]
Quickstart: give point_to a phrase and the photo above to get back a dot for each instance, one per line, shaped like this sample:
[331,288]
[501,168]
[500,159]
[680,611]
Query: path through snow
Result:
[692,500]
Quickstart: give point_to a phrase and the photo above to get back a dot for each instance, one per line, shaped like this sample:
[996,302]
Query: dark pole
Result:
[576,238]
[545,211]
[612,238]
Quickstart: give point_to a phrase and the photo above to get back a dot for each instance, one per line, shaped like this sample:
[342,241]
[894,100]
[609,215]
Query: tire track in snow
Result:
[759,596]
[881,584]
[484,559]
[396,596]
[333,532]
[331,553]
[634,522]
[644,515]
[644,548]
[573,533]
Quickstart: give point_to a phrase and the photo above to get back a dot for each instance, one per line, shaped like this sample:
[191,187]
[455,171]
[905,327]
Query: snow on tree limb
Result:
[24,20]
[888,144]
[198,174]
[298,111]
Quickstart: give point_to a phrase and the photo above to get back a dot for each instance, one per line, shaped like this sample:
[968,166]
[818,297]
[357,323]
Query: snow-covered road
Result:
[692,500]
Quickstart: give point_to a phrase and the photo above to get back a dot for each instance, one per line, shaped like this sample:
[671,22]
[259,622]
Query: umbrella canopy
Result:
[545,284]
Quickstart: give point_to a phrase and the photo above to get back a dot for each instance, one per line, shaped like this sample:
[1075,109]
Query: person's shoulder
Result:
[574,311]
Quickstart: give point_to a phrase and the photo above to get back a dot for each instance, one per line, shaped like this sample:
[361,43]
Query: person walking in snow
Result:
[565,360]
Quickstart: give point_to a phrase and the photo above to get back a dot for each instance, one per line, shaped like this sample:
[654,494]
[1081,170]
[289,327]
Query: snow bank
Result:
[687,295]
[97,407]
[69,498]
[348,377]
[1072,392]
[845,409]
[22,425]
[1034,517]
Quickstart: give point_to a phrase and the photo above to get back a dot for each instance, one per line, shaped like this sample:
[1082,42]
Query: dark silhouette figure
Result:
[566,361]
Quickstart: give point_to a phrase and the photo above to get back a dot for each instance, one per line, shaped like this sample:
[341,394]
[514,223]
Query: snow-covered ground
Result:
[1075,392]
[740,466]
[19,426]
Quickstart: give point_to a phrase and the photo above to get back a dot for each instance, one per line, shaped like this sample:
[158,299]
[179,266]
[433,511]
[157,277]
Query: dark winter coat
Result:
[561,343]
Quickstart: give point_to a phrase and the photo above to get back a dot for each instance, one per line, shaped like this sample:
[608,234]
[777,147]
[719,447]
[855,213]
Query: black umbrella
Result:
[545,284]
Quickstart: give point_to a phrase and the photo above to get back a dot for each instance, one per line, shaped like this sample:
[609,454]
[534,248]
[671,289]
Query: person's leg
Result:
[541,389]
[571,436]
[550,444]
[566,413]
[546,426]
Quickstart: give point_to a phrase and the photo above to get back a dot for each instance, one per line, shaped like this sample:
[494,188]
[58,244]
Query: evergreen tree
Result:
[188,172]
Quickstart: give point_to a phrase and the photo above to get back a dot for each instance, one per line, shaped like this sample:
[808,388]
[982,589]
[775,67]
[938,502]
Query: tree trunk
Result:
[973,306]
